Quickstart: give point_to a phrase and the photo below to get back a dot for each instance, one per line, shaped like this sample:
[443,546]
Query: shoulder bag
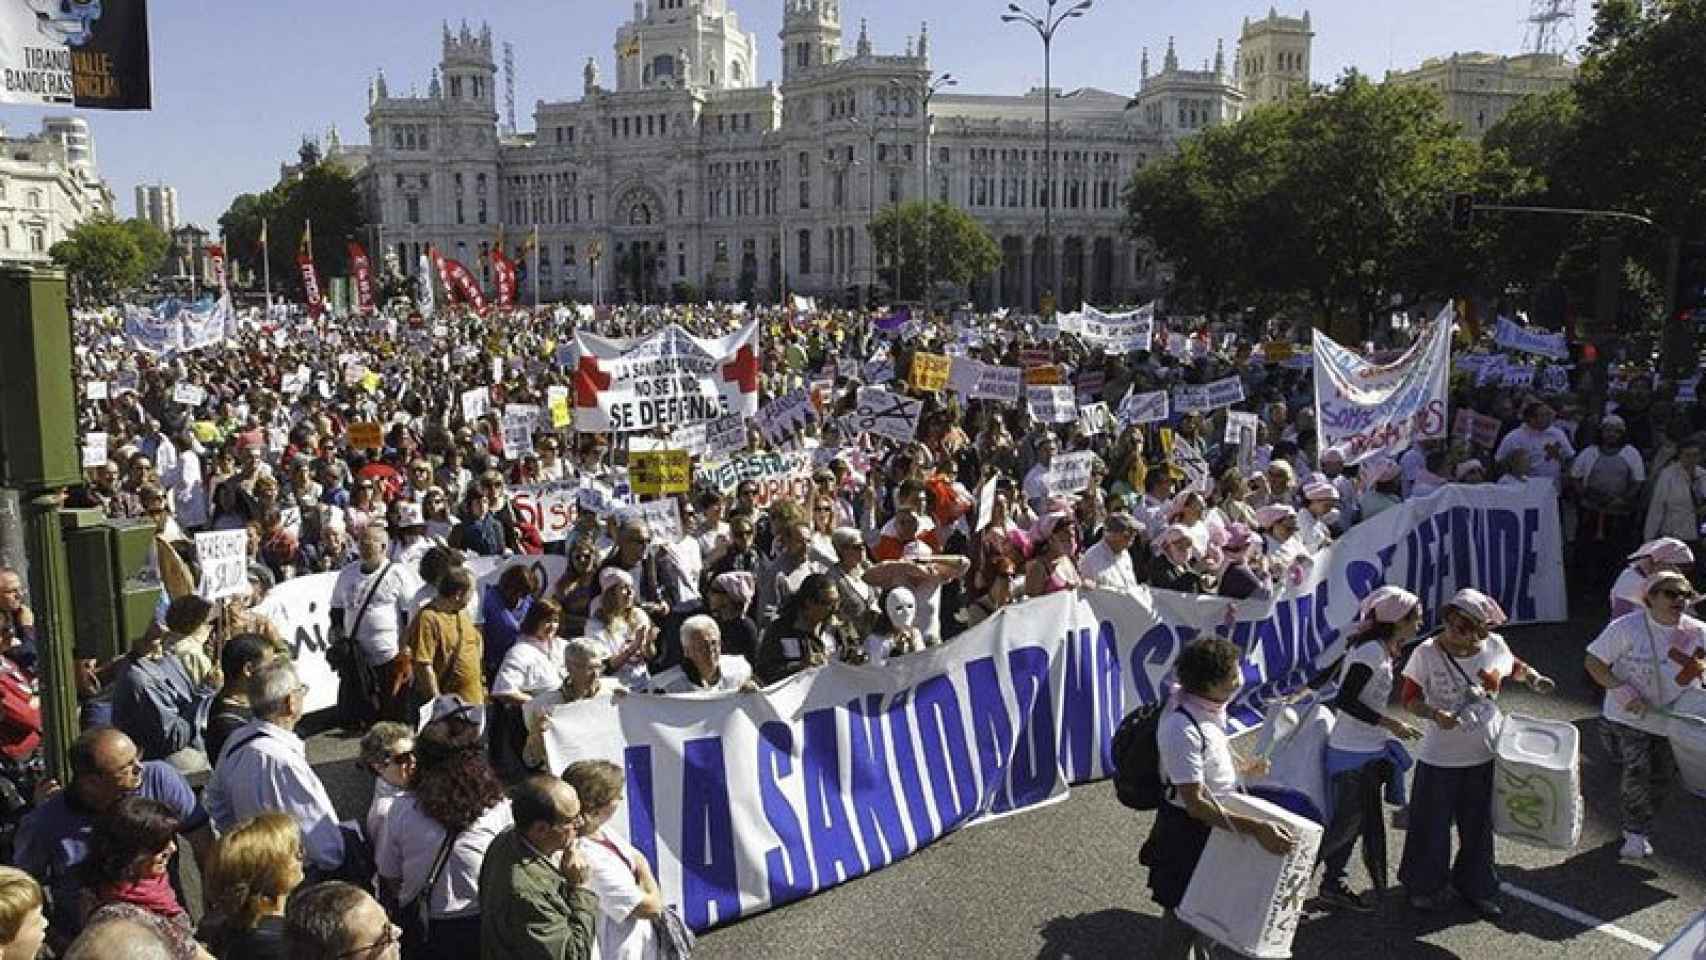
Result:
[415,917]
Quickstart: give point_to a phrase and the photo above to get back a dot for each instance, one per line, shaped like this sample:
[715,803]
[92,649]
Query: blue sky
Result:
[236,85]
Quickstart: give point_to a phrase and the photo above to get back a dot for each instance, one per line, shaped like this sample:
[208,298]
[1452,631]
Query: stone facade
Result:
[690,171]
[157,204]
[1476,90]
[48,185]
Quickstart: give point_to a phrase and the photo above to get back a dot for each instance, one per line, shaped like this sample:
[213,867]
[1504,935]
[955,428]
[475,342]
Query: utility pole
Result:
[871,132]
[1046,24]
[927,92]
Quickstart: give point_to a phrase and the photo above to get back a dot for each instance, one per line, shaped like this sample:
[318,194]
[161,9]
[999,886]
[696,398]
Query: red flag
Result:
[363,277]
[310,276]
[216,256]
[457,278]
[503,270]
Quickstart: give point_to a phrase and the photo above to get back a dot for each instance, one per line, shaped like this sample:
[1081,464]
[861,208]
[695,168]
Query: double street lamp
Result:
[1046,24]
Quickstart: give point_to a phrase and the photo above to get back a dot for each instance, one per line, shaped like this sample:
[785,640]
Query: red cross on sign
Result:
[1693,666]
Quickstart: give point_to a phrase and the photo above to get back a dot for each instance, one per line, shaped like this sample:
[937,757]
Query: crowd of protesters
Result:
[472,847]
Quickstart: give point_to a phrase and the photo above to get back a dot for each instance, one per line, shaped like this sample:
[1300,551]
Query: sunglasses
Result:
[399,759]
[1670,594]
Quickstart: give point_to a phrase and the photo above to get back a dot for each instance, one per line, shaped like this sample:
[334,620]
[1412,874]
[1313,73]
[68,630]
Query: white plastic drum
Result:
[1537,795]
[1688,740]
[1244,897]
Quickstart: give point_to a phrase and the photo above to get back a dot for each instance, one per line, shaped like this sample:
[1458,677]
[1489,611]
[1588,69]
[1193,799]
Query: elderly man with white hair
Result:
[584,659]
[703,666]
[264,768]
[1107,564]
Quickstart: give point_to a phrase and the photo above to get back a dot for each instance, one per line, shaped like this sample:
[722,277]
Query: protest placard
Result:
[663,518]
[548,507]
[95,390]
[1238,423]
[930,371]
[1048,375]
[665,378]
[725,437]
[94,450]
[518,434]
[557,401]
[878,372]
[1142,408]
[658,472]
[223,556]
[1052,404]
[1036,356]
[1069,472]
[1277,351]
[366,435]
[1095,419]
[475,403]
[1119,333]
[963,377]
[887,414]
[189,394]
[785,416]
[1006,384]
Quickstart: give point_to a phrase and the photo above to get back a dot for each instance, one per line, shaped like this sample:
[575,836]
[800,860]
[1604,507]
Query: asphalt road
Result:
[1064,882]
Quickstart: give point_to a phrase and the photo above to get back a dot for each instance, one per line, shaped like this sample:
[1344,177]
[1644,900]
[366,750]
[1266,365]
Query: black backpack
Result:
[1137,756]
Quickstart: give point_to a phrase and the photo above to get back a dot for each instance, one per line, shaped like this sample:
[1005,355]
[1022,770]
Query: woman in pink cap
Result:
[1383,486]
[1364,753]
[1315,523]
[1451,682]
[1628,592]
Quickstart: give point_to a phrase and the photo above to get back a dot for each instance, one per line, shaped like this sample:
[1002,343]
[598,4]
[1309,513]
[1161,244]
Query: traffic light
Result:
[1462,212]
[1691,283]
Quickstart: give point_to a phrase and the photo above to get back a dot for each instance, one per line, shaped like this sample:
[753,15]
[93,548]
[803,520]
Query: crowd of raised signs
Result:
[884,482]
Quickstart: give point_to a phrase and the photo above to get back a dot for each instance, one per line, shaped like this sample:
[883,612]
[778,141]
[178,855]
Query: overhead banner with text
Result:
[93,56]
[1363,410]
[744,802]
[668,378]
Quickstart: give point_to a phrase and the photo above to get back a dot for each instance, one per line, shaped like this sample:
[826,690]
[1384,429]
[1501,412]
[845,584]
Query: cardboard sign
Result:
[557,401]
[725,437]
[785,416]
[223,556]
[1069,472]
[663,518]
[1052,404]
[1006,384]
[1044,376]
[658,472]
[366,435]
[475,403]
[887,414]
[1096,419]
[189,394]
[1141,408]
[548,507]
[930,371]
[95,390]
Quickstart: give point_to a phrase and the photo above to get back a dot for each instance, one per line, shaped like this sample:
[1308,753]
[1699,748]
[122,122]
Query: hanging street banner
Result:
[747,801]
[93,56]
[669,377]
[1363,410]
[1512,336]
[363,274]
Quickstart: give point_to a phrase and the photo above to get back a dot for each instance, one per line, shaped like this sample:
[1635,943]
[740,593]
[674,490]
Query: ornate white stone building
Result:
[690,170]
[48,185]
[1476,90]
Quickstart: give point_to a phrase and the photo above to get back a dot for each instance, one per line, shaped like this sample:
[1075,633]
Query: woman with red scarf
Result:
[127,873]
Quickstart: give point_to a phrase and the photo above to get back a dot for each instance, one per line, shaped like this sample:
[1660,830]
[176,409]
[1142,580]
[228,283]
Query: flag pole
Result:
[536,265]
[266,265]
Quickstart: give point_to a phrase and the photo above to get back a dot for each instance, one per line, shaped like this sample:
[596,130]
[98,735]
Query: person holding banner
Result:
[1364,752]
[1646,660]
[1198,766]
[1451,681]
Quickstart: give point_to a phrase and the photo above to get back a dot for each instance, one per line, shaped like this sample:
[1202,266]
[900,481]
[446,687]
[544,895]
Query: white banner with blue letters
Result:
[744,802]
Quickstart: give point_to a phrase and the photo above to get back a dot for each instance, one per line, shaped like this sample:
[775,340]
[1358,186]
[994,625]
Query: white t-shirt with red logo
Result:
[1444,687]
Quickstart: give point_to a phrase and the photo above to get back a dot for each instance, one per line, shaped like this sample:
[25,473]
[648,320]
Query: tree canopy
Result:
[323,194]
[106,258]
[960,249]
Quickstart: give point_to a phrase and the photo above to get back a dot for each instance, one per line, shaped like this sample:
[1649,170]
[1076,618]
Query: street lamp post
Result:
[843,274]
[927,93]
[1046,25]
[871,132]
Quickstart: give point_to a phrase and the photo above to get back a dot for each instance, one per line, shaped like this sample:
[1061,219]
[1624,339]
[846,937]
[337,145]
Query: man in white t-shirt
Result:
[374,598]
[1549,450]
[1107,564]
[1646,660]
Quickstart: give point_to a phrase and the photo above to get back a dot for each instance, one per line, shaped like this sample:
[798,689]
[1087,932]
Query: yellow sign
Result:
[930,371]
[366,435]
[1276,351]
[1166,435]
[371,382]
[560,413]
[659,472]
[1044,376]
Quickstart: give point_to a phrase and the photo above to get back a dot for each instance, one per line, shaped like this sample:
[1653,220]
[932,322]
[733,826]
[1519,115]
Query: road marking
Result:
[1587,920]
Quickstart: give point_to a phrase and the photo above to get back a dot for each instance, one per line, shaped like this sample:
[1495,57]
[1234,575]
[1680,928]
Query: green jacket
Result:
[528,911]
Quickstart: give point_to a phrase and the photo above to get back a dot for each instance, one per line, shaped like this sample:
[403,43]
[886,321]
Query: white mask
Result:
[901,606]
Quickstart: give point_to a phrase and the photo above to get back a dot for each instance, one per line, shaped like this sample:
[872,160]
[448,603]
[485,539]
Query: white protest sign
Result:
[1512,336]
[475,403]
[1224,392]
[1364,410]
[887,414]
[518,432]
[1517,376]
[497,369]
[95,390]
[1237,423]
[1191,398]
[223,556]
[725,437]
[998,383]
[548,507]
[94,450]
[1119,332]
[878,371]
[667,377]
[964,375]
[1052,404]
[1141,408]
[1095,419]
[1555,378]
[189,394]
[663,517]
[847,368]
[1069,472]
[785,416]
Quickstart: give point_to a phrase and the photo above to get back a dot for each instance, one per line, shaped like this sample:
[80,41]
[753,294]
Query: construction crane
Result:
[1551,27]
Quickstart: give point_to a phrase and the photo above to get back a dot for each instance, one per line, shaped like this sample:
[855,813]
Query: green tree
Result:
[103,259]
[1332,204]
[323,194]
[960,249]
[151,241]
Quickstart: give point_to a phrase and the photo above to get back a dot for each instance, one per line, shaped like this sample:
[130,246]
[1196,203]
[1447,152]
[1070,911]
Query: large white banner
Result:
[301,609]
[176,326]
[1118,333]
[744,802]
[1364,410]
[666,378]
